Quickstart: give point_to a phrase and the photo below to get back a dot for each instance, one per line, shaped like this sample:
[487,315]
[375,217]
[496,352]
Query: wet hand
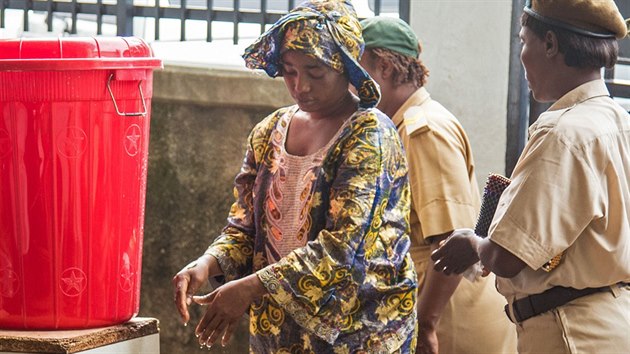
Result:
[186,283]
[457,252]
[226,306]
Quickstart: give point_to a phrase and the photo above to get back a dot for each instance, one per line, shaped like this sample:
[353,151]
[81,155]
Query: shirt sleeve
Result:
[552,198]
[319,284]
[441,189]
[234,248]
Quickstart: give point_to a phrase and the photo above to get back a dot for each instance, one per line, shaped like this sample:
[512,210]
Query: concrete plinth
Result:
[138,336]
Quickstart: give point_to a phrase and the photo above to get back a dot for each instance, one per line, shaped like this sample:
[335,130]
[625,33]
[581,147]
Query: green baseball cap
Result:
[390,33]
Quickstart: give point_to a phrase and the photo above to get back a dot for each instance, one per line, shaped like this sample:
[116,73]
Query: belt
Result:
[534,305]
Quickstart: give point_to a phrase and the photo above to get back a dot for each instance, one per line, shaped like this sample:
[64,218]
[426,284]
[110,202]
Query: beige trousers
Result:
[598,323]
[473,321]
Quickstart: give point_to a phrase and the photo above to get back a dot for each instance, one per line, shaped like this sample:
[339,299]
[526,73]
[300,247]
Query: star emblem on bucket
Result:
[126,280]
[132,141]
[73,281]
[72,142]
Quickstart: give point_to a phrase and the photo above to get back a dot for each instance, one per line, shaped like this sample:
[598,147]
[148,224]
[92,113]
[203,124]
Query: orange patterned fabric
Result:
[291,195]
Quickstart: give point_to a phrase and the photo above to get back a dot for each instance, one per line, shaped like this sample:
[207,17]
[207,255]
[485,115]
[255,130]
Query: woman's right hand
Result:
[188,280]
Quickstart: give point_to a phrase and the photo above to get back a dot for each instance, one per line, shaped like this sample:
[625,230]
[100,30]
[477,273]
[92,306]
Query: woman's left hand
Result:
[226,305]
[457,252]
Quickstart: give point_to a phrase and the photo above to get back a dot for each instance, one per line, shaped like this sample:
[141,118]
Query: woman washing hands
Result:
[316,244]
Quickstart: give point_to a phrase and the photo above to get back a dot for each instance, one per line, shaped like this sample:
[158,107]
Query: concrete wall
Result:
[466,46]
[200,120]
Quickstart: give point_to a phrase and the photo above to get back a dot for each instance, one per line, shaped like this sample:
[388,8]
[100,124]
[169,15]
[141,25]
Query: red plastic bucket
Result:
[74,135]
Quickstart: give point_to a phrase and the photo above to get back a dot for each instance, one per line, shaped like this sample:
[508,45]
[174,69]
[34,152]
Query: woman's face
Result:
[314,86]
[533,59]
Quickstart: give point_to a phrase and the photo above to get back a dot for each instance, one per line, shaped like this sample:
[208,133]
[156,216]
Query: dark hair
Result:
[406,69]
[579,51]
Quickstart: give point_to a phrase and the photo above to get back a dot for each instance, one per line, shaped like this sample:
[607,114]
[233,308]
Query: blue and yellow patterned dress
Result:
[352,287]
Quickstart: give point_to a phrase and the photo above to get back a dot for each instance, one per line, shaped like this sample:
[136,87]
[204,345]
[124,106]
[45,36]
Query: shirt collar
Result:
[588,90]
[416,99]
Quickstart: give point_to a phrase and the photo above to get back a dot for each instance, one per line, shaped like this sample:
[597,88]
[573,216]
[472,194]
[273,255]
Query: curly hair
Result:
[406,69]
[579,51]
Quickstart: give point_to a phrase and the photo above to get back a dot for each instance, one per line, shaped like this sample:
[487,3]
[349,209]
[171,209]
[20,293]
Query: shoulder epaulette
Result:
[415,121]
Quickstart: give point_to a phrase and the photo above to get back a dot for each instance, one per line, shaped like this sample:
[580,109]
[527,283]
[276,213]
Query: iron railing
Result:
[261,12]
[618,87]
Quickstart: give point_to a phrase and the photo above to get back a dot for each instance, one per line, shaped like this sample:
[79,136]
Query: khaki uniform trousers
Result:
[474,320]
[597,323]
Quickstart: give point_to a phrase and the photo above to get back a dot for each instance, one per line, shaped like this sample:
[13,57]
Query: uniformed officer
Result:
[560,238]
[453,316]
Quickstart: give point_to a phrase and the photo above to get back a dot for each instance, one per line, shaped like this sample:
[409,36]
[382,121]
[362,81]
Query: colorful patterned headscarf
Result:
[325,29]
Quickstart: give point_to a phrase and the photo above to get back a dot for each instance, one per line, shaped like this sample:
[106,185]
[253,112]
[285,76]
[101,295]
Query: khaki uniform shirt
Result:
[445,196]
[444,190]
[570,191]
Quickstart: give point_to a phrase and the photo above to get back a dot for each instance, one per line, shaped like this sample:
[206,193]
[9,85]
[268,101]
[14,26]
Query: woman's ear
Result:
[551,44]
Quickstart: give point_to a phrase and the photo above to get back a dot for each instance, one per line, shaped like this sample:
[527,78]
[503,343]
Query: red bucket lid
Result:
[76,53]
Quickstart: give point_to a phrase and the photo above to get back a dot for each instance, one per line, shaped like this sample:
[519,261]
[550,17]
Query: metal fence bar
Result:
[2,7]
[237,19]
[75,5]
[27,7]
[404,8]
[124,17]
[140,11]
[124,11]
[49,15]
[209,19]
[182,21]
[263,11]
[518,95]
[158,14]
[192,14]
[60,7]
[377,7]
[99,17]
